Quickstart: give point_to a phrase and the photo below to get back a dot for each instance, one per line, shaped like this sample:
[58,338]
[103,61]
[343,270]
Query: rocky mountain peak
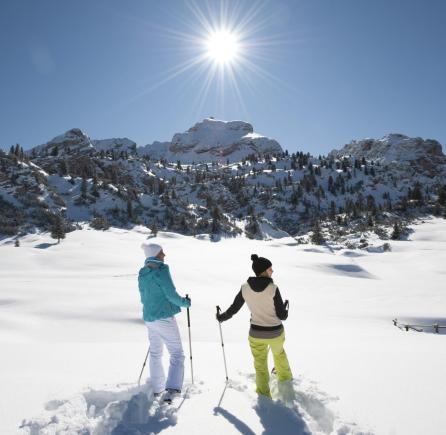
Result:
[421,154]
[74,140]
[214,140]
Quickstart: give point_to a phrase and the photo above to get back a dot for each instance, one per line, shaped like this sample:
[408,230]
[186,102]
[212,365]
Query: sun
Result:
[222,47]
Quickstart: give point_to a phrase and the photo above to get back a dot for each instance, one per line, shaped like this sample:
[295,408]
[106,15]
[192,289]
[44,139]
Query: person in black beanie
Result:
[267,312]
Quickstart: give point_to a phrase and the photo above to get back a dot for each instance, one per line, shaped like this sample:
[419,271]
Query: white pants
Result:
[165,331]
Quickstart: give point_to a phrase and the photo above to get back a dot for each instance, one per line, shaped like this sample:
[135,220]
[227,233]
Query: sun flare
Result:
[222,47]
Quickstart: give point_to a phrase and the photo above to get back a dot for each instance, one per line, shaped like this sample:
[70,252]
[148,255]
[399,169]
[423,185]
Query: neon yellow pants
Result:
[259,350]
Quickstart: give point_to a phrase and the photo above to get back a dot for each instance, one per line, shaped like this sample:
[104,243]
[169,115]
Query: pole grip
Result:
[218,309]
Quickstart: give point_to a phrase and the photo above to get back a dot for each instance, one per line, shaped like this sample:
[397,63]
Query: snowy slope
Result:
[73,343]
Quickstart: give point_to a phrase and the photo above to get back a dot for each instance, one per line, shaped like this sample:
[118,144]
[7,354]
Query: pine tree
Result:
[332,212]
[442,195]
[57,229]
[100,223]
[317,238]
[417,195]
[154,228]
[94,188]
[216,221]
[130,214]
[84,188]
[17,243]
[63,168]
[396,233]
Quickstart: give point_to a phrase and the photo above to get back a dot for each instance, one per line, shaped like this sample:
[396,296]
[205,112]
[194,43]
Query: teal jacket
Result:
[158,295]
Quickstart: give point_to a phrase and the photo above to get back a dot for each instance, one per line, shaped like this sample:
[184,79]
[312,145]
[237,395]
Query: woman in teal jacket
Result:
[160,304]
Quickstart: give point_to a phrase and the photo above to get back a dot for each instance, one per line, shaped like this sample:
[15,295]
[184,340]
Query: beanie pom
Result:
[254,257]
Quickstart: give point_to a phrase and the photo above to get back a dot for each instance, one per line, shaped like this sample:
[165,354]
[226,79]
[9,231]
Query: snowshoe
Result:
[170,394]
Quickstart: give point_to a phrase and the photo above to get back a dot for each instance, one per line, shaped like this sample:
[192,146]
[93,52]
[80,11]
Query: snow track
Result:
[301,409]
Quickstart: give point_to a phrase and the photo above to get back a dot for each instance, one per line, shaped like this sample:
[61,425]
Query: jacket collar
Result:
[153,262]
[259,283]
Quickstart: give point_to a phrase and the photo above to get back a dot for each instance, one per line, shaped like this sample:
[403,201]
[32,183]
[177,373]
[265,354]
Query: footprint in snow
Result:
[127,410]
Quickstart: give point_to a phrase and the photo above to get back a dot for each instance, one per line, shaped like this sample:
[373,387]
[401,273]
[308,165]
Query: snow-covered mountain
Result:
[421,154]
[213,140]
[365,185]
[157,150]
[74,140]
[207,141]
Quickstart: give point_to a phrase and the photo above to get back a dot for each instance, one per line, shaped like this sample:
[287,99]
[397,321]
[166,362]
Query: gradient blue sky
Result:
[332,70]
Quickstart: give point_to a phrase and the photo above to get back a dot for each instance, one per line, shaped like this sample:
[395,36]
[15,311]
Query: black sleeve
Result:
[234,308]
[281,311]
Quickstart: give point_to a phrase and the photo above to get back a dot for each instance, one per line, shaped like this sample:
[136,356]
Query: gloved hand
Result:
[187,301]
[220,317]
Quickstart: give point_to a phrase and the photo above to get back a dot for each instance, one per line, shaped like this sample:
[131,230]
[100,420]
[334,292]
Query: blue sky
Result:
[328,71]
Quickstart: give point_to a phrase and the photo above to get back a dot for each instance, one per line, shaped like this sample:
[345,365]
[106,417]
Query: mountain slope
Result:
[360,189]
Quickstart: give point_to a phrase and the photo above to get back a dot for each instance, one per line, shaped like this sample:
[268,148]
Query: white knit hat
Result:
[151,249]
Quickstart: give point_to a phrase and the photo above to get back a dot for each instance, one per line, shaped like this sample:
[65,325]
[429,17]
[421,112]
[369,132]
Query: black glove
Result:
[221,317]
[286,304]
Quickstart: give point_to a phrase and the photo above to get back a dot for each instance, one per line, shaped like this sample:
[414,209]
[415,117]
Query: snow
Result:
[211,132]
[212,140]
[119,144]
[73,341]
[75,139]
[392,148]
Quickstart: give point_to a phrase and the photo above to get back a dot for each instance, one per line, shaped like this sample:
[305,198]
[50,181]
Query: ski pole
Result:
[190,343]
[222,345]
[145,360]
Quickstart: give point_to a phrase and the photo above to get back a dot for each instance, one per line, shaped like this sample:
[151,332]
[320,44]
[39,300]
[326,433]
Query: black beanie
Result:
[259,264]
